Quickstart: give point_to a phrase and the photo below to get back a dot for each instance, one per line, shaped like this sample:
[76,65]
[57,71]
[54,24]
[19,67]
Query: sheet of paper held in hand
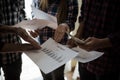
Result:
[51,56]
[41,20]
[85,56]
[39,14]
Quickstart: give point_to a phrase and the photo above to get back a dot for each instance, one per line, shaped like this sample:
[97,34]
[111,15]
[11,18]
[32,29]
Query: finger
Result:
[88,39]
[57,35]
[33,34]
[34,43]
[37,31]
[71,43]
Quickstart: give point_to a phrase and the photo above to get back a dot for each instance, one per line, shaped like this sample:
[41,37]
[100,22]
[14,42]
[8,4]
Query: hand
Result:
[22,33]
[71,43]
[60,31]
[35,33]
[92,43]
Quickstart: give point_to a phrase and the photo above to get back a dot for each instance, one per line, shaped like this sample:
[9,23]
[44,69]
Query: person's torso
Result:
[11,12]
[101,19]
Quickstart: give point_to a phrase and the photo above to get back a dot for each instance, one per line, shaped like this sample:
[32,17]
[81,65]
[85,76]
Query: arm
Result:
[69,23]
[72,14]
[6,28]
[112,41]
[78,34]
[10,47]
[21,32]
[92,43]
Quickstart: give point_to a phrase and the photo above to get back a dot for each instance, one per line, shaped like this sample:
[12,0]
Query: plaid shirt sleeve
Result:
[11,12]
[1,45]
[72,14]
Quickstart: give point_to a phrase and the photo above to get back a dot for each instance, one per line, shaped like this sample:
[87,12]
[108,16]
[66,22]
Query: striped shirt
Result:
[102,20]
[47,32]
[11,12]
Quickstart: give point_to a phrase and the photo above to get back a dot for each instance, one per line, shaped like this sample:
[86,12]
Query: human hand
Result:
[71,43]
[60,31]
[34,33]
[25,36]
[92,43]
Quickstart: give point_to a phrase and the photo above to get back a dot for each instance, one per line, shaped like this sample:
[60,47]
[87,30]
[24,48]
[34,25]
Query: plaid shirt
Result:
[102,20]
[11,12]
[47,32]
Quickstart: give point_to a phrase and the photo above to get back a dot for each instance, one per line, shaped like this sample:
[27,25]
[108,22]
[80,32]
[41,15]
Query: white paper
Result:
[51,56]
[39,14]
[41,20]
[85,56]
[36,24]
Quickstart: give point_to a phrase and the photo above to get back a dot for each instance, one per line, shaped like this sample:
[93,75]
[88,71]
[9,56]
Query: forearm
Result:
[6,28]
[104,43]
[9,47]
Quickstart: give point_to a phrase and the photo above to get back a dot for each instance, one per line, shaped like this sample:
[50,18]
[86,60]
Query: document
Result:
[41,20]
[34,24]
[51,56]
[39,14]
[85,56]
